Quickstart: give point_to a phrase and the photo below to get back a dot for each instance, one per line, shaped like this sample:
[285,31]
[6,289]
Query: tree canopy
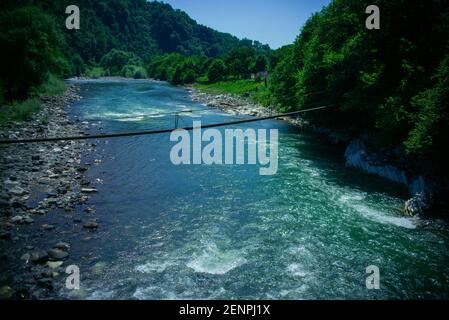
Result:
[390,83]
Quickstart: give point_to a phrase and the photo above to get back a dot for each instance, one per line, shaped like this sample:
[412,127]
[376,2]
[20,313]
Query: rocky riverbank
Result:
[232,104]
[427,193]
[38,179]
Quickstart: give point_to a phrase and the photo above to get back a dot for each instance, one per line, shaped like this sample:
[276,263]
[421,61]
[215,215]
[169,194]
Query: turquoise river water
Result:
[226,232]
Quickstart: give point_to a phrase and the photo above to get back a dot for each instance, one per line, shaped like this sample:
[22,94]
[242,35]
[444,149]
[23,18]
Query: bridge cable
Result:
[161,131]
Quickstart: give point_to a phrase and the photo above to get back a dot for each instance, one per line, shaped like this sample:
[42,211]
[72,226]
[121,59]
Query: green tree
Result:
[282,82]
[238,61]
[115,60]
[429,138]
[259,64]
[29,44]
[216,71]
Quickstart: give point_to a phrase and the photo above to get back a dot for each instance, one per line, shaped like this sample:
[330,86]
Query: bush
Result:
[52,87]
[95,72]
[30,42]
[116,60]
[188,76]
[217,71]
[24,110]
[133,71]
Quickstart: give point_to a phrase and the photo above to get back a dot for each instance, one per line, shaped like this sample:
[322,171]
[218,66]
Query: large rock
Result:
[38,256]
[416,205]
[5,235]
[91,225]
[57,254]
[22,220]
[18,191]
[62,246]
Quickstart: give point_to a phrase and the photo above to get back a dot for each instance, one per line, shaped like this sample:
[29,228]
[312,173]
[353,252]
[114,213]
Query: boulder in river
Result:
[57,254]
[5,235]
[91,225]
[54,264]
[416,205]
[38,256]
[62,245]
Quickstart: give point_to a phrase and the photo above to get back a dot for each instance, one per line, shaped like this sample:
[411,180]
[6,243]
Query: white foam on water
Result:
[352,200]
[215,261]
[297,270]
[346,198]
[308,167]
[295,293]
[131,119]
[154,292]
[138,114]
[378,216]
[154,267]
[101,295]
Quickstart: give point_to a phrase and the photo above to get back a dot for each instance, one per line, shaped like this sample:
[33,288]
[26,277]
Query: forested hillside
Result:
[127,32]
[391,83]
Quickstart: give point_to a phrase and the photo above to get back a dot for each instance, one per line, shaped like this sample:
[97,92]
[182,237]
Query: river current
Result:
[226,232]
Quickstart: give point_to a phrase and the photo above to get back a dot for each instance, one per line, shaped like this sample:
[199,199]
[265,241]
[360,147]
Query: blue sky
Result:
[275,22]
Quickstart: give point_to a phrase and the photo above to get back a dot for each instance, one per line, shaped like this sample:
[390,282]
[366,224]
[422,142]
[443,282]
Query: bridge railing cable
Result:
[161,131]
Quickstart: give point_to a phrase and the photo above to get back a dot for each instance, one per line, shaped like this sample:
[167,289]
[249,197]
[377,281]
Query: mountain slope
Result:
[145,28]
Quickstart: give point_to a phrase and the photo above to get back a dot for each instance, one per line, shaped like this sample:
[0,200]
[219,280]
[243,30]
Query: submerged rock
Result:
[48,227]
[92,225]
[46,283]
[5,235]
[98,268]
[54,264]
[6,293]
[22,220]
[62,246]
[38,256]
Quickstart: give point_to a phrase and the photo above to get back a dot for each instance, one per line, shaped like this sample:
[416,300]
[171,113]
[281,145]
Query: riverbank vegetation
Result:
[255,90]
[389,84]
[116,38]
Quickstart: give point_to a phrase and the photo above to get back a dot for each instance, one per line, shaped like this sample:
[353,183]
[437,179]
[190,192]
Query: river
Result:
[226,232]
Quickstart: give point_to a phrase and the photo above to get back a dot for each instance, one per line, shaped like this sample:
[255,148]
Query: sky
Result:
[273,22]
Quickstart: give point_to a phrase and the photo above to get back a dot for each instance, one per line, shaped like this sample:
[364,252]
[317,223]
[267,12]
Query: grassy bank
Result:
[254,90]
[23,110]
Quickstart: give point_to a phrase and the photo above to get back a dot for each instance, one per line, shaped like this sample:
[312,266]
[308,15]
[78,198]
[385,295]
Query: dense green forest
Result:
[117,37]
[390,84]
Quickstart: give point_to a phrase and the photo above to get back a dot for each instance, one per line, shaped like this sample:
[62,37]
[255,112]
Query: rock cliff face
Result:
[425,191]
[357,156]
